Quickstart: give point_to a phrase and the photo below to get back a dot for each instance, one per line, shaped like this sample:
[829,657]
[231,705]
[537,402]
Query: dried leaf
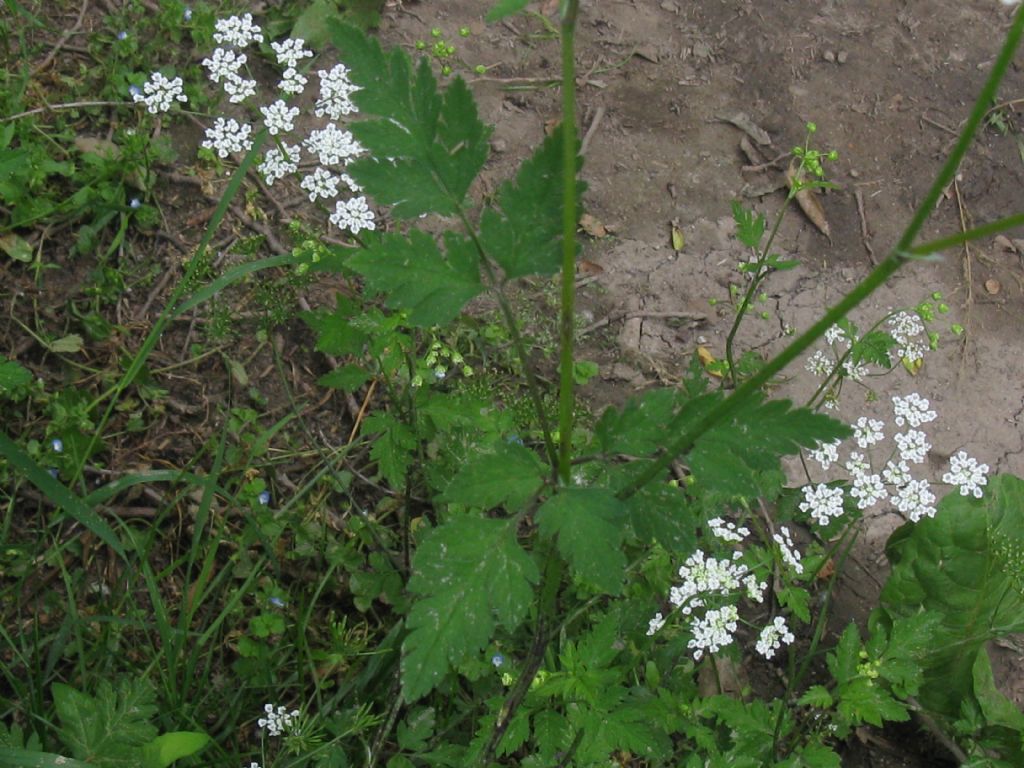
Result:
[708,361]
[742,121]
[592,226]
[66,345]
[810,205]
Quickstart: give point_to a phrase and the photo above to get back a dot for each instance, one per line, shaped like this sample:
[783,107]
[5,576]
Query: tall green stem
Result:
[899,255]
[566,399]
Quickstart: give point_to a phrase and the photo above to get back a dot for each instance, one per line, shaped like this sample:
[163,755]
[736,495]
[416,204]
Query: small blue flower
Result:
[135,203]
[497,660]
[264,498]
[188,14]
[134,90]
[514,440]
[122,35]
[277,602]
[57,445]
[53,472]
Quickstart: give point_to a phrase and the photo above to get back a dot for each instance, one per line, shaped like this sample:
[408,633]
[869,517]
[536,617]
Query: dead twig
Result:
[865,233]
[61,41]
[598,116]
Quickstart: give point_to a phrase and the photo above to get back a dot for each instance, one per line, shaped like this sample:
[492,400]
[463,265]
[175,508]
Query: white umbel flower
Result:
[159,93]
[227,136]
[967,474]
[354,215]
[238,31]
[280,162]
[773,637]
[279,117]
[291,51]
[320,183]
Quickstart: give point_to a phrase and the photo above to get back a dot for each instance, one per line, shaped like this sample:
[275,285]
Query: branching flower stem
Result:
[903,252]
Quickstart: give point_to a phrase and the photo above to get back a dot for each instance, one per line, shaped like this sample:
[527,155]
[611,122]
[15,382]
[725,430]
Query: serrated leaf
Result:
[873,347]
[427,148]
[509,475]
[393,447]
[816,696]
[522,233]
[347,378]
[111,728]
[964,565]
[471,574]
[797,600]
[639,427]
[504,8]
[749,226]
[728,458]
[413,274]
[659,513]
[335,334]
[587,524]
[168,747]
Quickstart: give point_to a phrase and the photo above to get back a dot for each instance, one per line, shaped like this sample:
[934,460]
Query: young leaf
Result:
[523,234]
[162,751]
[749,226]
[12,376]
[587,524]
[471,574]
[413,274]
[509,475]
[426,149]
[335,334]
[393,449]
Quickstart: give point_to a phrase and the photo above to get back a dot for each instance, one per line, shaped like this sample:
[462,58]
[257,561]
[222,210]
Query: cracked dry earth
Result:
[888,83]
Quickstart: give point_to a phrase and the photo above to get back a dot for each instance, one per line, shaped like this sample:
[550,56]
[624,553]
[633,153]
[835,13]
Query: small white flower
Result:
[354,215]
[238,31]
[755,589]
[227,136]
[335,93]
[332,145]
[913,409]
[224,64]
[967,474]
[857,464]
[159,94]
[655,624]
[727,531]
[789,552]
[278,720]
[292,81]
[822,503]
[855,371]
[913,445]
[291,52]
[819,364]
[321,183]
[867,432]
[836,334]
[896,473]
[915,500]
[868,490]
[826,454]
[279,117]
[280,162]
[714,631]
[238,88]
[773,637]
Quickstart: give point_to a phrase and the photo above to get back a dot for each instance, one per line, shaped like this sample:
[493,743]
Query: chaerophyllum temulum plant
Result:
[583,595]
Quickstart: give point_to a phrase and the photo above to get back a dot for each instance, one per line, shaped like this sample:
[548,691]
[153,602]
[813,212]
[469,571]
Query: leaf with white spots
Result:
[471,575]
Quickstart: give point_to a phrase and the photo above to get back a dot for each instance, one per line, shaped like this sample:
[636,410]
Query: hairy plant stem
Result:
[755,283]
[566,395]
[898,256]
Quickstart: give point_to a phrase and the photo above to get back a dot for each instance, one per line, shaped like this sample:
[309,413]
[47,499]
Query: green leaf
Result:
[413,274]
[347,378]
[728,458]
[16,247]
[336,335]
[509,476]
[394,447]
[505,8]
[587,524]
[816,696]
[69,344]
[523,232]
[111,728]
[472,574]
[12,376]
[749,226]
[662,514]
[873,347]
[797,600]
[168,747]
[427,148]
[964,564]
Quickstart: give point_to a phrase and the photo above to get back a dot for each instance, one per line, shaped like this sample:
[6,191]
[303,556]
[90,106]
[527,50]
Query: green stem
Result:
[566,399]
[899,255]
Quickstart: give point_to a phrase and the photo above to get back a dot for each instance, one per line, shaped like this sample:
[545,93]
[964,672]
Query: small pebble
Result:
[828,56]
[842,57]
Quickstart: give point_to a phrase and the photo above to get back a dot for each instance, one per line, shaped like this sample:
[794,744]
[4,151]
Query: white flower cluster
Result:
[773,637]
[790,554]
[332,147]
[704,577]
[278,720]
[906,328]
[726,530]
[911,496]
[159,93]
